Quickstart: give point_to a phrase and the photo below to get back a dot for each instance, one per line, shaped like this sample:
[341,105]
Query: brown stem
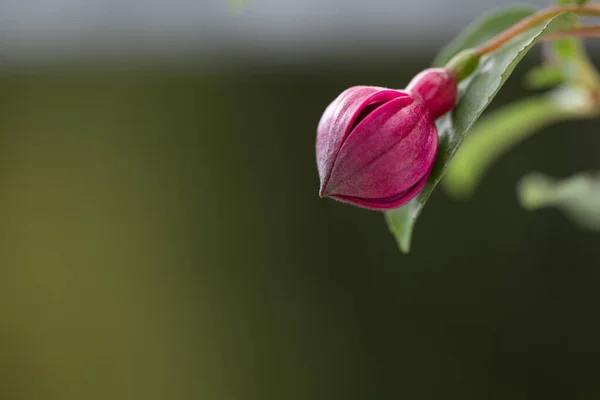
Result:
[533,20]
[582,32]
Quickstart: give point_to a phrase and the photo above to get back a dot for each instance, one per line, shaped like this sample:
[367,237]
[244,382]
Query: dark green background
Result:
[161,237]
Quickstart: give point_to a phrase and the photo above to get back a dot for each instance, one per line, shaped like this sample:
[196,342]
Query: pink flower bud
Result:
[438,89]
[376,147]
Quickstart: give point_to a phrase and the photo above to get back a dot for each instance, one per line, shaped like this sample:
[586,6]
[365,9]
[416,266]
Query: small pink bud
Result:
[438,89]
[376,147]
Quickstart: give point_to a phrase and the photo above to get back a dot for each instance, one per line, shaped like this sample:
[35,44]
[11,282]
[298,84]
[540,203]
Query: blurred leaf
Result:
[493,136]
[237,5]
[567,2]
[570,57]
[482,30]
[476,93]
[577,196]
[544,76]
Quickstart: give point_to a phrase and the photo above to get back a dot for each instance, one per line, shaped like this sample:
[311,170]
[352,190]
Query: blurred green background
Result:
[161,237]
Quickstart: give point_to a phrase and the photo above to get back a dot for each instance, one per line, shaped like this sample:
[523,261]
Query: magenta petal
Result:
[388,203]
[339,118]
[387,153]
[375,147]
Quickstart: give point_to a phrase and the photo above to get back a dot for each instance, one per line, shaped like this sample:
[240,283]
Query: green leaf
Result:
[565,61]
[495,134]
[476,93]
[237,5]
[577,196]
[544,77]
[482,30]
[570,57]
[567,2]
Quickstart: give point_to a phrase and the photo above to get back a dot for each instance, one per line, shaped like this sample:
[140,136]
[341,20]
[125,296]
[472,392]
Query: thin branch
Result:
[533,20]
[581,31]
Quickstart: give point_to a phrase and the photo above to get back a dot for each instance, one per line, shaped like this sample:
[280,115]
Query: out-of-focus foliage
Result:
[475,95]
[237,4]
[495,134]
[482,30]
[544,76]
[568,2]
[566,63]
[578,196]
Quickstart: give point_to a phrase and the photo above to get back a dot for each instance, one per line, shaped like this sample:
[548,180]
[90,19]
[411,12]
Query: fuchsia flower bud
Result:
[437,87]
[376,147]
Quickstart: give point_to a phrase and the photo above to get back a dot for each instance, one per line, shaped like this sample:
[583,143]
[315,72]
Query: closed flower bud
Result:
[376,147]
[437,88]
